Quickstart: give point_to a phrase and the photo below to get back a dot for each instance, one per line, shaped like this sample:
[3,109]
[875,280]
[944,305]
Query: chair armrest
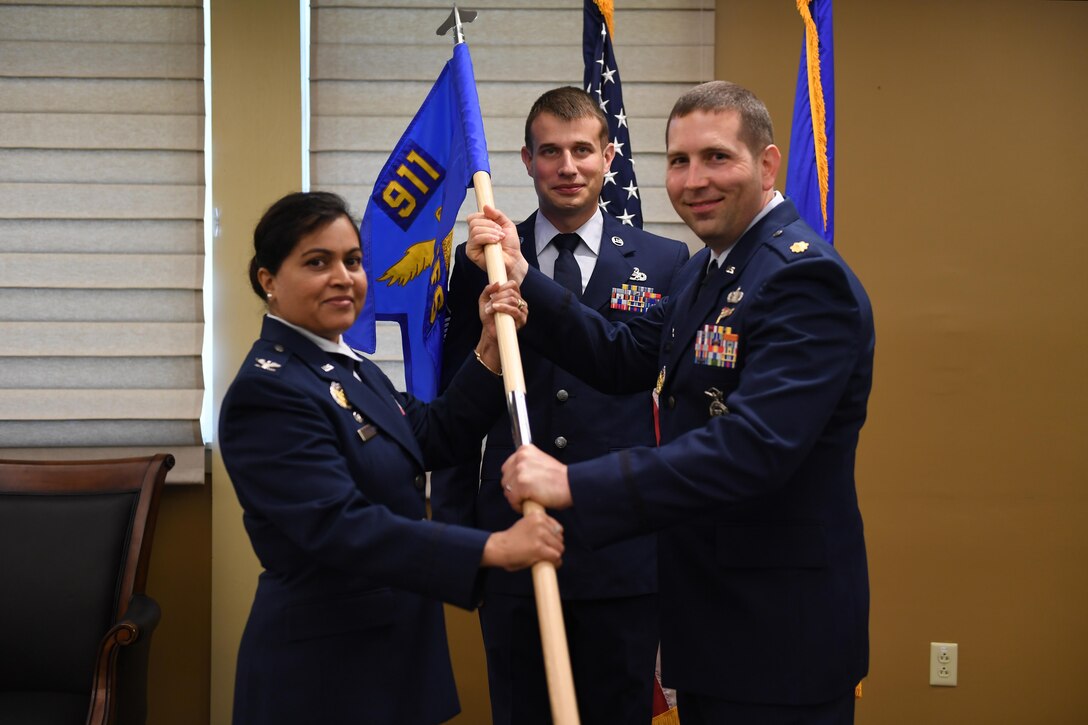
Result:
[143,613]
[124,684]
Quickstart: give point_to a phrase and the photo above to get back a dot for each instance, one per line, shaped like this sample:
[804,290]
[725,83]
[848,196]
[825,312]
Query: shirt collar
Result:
[335,348]
[776,199]
[590,232]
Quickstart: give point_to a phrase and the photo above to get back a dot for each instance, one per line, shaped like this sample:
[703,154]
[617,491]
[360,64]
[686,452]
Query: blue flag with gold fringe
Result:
[619,194]
[407,229]
[810,171]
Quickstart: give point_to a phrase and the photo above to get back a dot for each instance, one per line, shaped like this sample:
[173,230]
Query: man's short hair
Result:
[756,130]
[568,104]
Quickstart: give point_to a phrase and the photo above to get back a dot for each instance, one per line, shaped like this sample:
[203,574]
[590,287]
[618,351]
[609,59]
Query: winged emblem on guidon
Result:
[418,258]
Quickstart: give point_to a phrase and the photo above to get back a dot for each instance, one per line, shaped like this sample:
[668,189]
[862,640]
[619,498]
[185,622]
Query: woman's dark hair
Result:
[285,223]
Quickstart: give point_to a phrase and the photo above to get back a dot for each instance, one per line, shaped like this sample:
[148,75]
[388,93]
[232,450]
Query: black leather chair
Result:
[75,624]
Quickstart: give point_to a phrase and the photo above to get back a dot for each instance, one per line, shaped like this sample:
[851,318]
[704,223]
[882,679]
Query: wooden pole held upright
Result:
[553,634]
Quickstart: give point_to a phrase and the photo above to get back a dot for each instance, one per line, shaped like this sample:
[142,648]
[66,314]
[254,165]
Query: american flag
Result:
[619,195]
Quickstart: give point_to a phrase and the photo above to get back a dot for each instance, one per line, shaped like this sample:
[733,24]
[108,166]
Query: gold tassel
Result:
[816,103]
[606,8]
[669,717]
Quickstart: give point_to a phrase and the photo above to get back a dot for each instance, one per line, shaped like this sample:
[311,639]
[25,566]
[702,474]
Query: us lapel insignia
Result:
[327,367]
[798,247]
[638,275]
[717,407]
[735,296]
[337,393]
[730,270]
[617,241]
[726,312]
[357,416]
[269,365]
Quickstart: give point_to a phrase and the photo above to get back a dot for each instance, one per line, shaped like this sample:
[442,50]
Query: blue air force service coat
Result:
[762,376]
[568,418]
[347,623]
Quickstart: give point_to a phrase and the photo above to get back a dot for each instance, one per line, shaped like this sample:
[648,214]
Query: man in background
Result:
[609,595]
[761,363]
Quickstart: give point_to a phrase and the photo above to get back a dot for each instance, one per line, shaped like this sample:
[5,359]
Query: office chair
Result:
[75,624]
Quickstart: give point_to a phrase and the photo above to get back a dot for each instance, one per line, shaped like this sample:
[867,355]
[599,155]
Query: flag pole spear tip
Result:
[454,21]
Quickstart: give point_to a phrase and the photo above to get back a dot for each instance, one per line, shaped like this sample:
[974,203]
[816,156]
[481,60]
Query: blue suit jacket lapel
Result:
[527,235]
[370,398]
[692,311]
[615,263]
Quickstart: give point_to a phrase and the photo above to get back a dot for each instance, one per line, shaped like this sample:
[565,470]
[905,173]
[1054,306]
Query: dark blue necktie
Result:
[701,291]
[567,272]
[710,270]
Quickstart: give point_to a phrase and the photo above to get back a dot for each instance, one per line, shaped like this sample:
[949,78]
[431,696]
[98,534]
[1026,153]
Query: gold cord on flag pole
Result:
[607,7]
[816,102]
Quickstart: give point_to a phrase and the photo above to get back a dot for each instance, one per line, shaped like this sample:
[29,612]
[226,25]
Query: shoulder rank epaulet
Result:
[270,360]
[266,364]
[792,250]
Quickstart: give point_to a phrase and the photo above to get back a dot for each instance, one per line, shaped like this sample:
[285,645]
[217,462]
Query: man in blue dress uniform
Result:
[609,594]
[760,363]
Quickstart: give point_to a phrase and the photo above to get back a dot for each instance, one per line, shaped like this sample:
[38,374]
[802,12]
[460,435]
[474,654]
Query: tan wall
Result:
[256,133]
[960,156]
[180,581]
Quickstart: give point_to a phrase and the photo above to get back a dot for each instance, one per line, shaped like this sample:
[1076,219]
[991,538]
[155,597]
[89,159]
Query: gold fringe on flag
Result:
[606,7]
[669,717]
[816,102]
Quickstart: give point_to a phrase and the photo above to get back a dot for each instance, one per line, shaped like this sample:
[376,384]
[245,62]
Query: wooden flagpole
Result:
[553,635]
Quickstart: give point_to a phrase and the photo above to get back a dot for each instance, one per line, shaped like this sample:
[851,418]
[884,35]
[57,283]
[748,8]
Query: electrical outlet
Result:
[944,664]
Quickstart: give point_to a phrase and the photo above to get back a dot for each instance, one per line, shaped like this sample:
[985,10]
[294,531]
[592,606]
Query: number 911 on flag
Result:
[417,177]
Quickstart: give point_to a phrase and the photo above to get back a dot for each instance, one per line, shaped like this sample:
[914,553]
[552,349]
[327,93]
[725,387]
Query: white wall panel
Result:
[101,229]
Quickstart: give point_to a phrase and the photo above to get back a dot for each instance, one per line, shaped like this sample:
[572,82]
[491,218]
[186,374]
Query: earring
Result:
[268,295]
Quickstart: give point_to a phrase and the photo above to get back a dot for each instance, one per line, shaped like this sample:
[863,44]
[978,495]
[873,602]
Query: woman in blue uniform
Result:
[328,462]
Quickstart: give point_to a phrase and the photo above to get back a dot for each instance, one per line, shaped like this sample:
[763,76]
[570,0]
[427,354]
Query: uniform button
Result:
[672,402]
[560,442]
[562,396]
[420,482]
[279,348]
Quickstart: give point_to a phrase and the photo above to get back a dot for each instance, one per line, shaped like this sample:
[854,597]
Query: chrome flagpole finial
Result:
[454,21]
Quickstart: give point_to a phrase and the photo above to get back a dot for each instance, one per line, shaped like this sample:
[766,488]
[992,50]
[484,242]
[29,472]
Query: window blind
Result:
[101,230]
[372,63]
